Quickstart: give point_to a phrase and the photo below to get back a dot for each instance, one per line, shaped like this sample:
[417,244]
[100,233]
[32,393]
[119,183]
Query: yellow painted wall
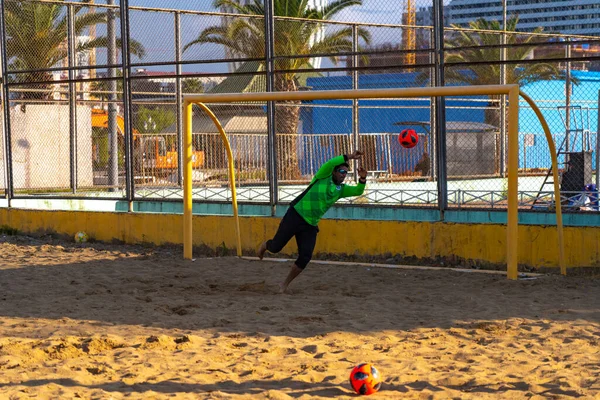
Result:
[482,242]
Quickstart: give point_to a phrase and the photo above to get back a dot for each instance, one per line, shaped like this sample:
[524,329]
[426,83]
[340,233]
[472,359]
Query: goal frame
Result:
[512,91]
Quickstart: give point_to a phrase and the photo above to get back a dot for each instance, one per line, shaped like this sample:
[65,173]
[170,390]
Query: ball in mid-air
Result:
[81,237]
[365,379]
[408,138]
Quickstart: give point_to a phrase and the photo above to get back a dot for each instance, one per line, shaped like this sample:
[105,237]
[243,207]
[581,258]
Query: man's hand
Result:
[362,173]
[355,156]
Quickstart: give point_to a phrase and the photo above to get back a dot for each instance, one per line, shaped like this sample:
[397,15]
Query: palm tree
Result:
[298,39]
[469,48]
[37,34]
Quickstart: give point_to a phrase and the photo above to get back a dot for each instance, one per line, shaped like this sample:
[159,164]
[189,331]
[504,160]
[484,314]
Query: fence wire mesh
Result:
[94,92]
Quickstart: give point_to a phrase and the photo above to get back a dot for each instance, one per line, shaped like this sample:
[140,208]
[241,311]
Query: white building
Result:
[575,17]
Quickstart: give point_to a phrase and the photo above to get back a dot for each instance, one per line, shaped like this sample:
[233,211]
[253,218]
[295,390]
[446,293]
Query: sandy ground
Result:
[110,322]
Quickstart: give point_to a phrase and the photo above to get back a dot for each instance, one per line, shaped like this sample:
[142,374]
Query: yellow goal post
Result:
[512,91]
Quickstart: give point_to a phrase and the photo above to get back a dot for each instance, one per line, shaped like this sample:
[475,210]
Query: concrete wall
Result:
[477,242]
[40,144]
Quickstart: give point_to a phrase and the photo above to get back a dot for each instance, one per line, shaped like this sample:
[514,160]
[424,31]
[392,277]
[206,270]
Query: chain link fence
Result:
[93,92]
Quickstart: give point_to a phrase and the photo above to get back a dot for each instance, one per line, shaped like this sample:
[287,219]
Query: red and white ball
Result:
[365,379]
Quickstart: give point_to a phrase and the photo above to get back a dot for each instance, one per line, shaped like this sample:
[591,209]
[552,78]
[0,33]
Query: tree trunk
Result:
[492,111]
[287,115]
[39,91]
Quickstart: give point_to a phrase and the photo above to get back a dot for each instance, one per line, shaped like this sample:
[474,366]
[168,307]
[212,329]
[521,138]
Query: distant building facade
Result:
[572,17]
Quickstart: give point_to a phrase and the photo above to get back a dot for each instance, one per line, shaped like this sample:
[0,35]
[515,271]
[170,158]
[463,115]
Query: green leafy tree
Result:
[37,40]
[192,85]
[298,39]
[471,46]
[154,120]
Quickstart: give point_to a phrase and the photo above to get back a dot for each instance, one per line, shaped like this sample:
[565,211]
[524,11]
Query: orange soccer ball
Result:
[365,379]
[408,138]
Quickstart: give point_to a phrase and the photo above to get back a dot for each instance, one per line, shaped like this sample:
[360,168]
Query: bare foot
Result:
[262,249]
[282,288]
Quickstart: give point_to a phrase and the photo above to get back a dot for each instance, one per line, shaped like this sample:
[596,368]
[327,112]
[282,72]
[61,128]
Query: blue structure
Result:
[333,118]
[378,118]
[550,98]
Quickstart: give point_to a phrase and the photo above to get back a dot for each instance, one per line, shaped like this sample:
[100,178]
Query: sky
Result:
[155,30]
[375,11]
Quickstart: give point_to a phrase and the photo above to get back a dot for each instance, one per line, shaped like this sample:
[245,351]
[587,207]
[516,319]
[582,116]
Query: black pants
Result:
[293,224]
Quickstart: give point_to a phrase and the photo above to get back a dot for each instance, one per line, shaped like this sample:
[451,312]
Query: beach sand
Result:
[99,321]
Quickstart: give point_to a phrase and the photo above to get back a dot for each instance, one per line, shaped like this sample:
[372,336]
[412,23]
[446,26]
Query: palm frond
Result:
[335,7]
[37,35]
[87,20]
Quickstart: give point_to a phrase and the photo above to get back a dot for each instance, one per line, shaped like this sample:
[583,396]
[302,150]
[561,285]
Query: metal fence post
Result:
[598,145]
[440,131]
[389,153]
[8,170]
[568,99]
[355,122]
[271,134]
[503,55]
[433,113]
[71,45]
[129,178]
[113,158]
[179,93]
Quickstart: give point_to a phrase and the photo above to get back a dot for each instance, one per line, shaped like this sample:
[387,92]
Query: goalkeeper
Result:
[306,210]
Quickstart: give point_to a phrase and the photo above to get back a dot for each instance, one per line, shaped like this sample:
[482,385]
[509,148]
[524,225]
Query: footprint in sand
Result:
[164,342]
[305,319]
[258,287]
[283,351]
[97,345]
[312,349]
[96,370]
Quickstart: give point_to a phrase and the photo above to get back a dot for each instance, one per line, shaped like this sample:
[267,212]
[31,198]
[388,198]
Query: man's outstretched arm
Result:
[349,191]
[327,168]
